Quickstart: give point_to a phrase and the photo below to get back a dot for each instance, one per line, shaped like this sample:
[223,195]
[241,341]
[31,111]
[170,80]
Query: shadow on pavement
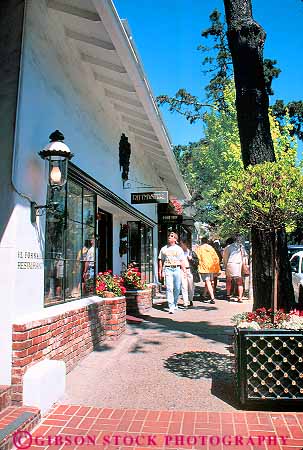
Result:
[203,329]
[139,348]
[224,388]
[195,365]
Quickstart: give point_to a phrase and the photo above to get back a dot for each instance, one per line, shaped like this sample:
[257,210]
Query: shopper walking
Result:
[217,248]
[171,262]
[187,279]
[209,264]
[234,256]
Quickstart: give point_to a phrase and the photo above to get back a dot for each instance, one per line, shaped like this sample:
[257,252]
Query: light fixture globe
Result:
[58,154]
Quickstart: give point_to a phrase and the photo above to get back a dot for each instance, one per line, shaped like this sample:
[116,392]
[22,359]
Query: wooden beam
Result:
[155,153]
[130,112]
[100,62]
[135,122]
[149,143]
[151,136]
[73,10]
[89,39]
[119,84]
[122,98]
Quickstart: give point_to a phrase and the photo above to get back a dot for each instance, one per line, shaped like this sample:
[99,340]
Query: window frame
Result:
[67,261]
[80,177]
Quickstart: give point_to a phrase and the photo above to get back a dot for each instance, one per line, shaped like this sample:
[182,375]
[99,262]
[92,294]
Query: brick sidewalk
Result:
[120,428]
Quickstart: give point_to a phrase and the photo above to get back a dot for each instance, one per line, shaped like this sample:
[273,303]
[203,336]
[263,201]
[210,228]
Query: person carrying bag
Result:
[187,285]
[194,264]
[245,266]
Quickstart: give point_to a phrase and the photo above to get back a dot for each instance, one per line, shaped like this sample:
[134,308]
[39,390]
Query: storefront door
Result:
[140,248]
[104,240]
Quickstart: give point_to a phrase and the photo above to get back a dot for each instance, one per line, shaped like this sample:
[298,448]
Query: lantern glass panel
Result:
[57,171]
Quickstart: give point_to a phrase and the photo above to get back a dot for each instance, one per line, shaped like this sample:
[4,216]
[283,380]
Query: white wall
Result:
[11,21]
[55,94]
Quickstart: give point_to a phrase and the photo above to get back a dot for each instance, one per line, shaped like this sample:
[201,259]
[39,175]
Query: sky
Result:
[168,32]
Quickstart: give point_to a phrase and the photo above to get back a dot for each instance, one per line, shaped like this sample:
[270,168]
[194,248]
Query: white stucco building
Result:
[71,65]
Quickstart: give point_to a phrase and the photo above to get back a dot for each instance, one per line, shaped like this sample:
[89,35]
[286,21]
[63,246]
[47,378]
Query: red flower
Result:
[177,205]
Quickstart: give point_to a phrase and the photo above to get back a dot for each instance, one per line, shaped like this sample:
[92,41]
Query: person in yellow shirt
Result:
[209,264]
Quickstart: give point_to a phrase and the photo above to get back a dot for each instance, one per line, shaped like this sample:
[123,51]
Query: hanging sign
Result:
[149,197]
[170,218]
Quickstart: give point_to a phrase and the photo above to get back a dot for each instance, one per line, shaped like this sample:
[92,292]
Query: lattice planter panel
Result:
[269,367]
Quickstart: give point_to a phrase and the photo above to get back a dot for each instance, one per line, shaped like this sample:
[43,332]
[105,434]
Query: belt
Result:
[173,266]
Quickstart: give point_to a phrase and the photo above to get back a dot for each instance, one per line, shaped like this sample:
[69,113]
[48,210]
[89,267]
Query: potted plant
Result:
[268,342]
[138,296]
[109,285]
[269,357]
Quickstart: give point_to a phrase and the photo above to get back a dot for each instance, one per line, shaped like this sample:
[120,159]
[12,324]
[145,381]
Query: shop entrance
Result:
[140,248]
[104,240]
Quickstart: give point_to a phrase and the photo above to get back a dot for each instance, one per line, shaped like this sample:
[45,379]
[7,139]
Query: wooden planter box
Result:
[269,367]
[138,302]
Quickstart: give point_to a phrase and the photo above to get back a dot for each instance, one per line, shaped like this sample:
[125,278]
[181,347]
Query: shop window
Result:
[140,248]
[70,245]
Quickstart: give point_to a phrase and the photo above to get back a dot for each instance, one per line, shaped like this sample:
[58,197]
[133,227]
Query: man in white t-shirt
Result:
[171,261]
[89,267]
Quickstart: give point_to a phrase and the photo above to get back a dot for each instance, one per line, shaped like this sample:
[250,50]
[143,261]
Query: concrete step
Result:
[5,397]
[15,424]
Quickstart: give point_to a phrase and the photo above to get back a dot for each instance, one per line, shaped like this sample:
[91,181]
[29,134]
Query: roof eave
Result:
[131,60]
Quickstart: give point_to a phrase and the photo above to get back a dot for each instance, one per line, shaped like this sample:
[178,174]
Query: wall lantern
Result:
[57,154]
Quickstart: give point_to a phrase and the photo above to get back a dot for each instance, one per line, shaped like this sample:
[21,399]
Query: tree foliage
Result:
[217,64]
[266,196]
[294,110]
[211,166]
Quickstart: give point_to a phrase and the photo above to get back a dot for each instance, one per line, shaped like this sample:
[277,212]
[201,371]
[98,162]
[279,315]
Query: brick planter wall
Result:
[5,396]
[138,302]
[154,288]
[68,336]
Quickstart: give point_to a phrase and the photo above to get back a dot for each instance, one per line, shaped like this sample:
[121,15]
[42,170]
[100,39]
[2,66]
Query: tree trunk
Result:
[246,41]
[286,299]
[263,269]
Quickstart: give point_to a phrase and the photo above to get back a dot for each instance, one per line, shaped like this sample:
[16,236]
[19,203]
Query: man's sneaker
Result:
[171,310]
[176,307]
[212,301]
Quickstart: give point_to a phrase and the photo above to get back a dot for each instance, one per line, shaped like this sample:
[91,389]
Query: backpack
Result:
[194,262]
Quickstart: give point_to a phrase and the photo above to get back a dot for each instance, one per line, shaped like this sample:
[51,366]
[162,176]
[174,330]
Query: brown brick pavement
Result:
[120,428]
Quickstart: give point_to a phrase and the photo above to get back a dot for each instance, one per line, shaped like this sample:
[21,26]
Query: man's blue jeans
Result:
[173,285]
